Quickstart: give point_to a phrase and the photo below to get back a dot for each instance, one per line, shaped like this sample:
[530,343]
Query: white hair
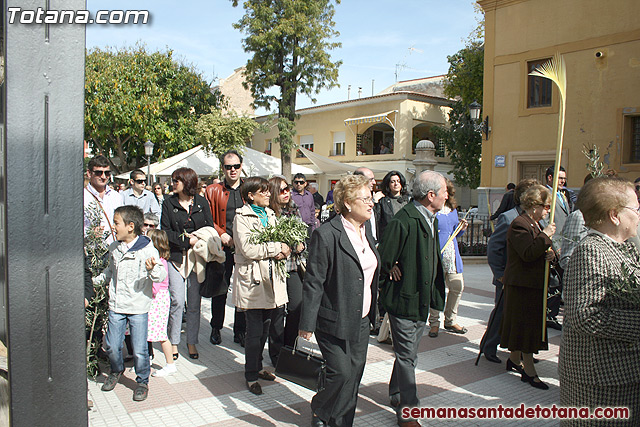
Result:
[427,181]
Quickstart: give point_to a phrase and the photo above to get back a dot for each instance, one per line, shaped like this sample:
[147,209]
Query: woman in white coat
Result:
[258,287]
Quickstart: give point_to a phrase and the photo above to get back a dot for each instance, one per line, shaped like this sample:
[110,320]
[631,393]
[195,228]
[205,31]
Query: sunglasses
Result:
[149,225]
[175,180]
[203,186]
[101,173]
[299,182]
[236,166]
[139,181]
[284,190]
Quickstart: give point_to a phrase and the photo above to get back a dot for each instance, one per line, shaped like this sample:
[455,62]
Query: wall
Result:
[599,90]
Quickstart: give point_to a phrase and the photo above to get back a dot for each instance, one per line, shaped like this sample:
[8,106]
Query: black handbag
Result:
[302,367]
[214,282]
[554,290]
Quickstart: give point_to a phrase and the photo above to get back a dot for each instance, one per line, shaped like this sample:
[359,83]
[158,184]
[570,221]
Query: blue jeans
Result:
[116,327]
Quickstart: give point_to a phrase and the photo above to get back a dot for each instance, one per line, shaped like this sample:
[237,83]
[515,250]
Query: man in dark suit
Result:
[497,259]
[412,280]
[507,202]
[562,204]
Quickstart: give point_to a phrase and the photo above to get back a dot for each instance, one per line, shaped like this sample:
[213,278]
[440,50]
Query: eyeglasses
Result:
[139,181]
[101,173]
[150,225]
[284,190]
[366,200]
[299,182]
[636,210]
[236,166]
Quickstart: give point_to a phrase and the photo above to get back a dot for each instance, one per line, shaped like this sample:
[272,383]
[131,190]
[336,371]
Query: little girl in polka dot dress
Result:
[159,311]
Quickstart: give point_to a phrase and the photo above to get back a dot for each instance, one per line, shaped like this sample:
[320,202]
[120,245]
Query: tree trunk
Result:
[124,166]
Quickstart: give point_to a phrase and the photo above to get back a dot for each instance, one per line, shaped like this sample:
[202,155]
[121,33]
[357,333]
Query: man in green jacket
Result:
[411,281]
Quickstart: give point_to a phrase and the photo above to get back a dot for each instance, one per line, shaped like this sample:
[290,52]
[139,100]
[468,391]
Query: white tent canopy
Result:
[255,163]
[330,166]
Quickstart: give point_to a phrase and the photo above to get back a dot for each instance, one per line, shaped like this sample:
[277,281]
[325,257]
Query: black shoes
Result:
[266,375]
[531,380]
[111,381]
[316,421]
[492,358]
[239,338]
[215,337]
[513,367]
[255,388]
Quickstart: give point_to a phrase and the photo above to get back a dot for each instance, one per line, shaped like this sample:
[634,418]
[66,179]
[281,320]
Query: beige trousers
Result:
[455,285]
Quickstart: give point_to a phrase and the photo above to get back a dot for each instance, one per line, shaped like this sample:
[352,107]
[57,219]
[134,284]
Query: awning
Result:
[377,118]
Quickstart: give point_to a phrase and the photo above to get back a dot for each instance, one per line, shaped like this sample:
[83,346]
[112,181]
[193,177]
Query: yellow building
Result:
[379,132]
[600,42]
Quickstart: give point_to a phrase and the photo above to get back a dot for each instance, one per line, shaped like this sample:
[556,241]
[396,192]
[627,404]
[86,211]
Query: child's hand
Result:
[150,263]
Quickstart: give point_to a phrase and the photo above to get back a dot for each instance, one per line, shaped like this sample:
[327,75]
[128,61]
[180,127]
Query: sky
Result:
[379,38]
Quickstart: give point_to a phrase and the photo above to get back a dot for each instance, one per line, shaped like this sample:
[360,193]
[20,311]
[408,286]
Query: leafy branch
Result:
[96,313]
[287,229]
[594,165]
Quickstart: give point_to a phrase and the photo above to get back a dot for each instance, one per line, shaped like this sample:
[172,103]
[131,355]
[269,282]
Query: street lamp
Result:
[474,112]
[148,151]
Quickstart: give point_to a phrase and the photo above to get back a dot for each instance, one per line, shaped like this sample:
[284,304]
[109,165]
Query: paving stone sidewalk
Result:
[211,390]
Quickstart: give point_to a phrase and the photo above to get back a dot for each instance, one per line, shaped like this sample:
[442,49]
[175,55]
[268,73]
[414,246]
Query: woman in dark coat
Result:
[282,333]
[184,212]
[394,188]
[339,298]
[527,250]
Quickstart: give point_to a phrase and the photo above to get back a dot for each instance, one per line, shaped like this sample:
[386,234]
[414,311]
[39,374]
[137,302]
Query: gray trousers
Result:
[193,308]
[336,404]
[492,335]
[406,339]
[177,292]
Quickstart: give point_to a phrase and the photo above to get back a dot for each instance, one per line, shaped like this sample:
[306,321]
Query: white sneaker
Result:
[166,371]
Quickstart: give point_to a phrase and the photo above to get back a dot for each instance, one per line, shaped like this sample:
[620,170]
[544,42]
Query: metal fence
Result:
[475,238]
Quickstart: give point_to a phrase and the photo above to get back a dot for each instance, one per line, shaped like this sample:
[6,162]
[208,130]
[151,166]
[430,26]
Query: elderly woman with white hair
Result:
[339,298]
[599,363]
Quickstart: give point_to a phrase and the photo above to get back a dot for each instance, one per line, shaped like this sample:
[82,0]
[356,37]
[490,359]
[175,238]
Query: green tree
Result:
[462,141]
[132,96]
[290,43]
[220,131]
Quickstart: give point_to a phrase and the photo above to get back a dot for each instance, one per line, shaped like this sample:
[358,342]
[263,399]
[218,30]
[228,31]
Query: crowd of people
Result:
[592,249]
[389,256]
